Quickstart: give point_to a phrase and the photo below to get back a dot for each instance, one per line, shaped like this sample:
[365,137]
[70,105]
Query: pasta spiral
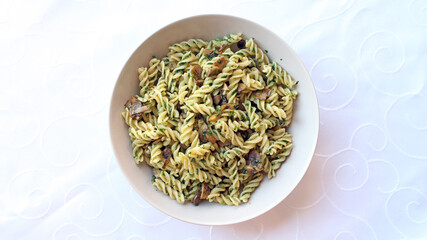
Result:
[211,121]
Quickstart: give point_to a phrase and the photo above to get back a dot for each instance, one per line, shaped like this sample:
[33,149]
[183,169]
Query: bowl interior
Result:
[304,126]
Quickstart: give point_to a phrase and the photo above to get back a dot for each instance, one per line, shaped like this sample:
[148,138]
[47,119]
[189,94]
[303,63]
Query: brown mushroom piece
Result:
[224,100]
[262,94]
[213,71]
[136,108]
[199,82]
[227,143]
[223,48]
[166,153]
[205,191]
[183,146]
[217,67]
[209,53]
[221,63]
[131,101]
[241,44]
[217,99]
[202,133]
[206,135]
[216,116]
[253,163]
[197,71]
[220,100]
[196,200]
[240,106]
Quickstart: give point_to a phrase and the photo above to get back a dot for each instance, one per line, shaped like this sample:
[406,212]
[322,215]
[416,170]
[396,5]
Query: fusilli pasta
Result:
[211,119]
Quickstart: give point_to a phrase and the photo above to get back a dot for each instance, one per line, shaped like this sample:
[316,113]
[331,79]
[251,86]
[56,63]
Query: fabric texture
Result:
[59,61]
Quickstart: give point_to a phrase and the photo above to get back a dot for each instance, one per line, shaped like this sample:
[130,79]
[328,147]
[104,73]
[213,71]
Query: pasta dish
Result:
[211,119]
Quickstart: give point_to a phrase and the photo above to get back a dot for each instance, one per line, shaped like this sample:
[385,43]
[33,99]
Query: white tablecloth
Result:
[59,61]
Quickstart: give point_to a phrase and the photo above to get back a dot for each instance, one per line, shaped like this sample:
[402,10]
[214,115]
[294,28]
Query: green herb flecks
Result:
[211,55]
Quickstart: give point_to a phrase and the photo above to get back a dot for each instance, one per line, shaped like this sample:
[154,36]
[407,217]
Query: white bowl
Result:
[304,126]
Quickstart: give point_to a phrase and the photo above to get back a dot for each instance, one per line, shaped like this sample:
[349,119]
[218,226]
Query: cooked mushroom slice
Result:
[166,153]
[240,106]
[183,146]
[220,100]
[211,138]
[199,82]
[224,100]
[223,48]
[241,44]
[262,94]
[217,99]
[253,163]
[205,191]
[216,116]
[241,87]
[217,67]
[131,101]
[213,71]
[197,71]
[221,62]
[209,53]
[206,135]
[196,200]
[137,109]
[202,133]
[227,143]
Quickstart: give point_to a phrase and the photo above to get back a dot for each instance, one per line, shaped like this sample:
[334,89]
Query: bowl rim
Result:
[248,216]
